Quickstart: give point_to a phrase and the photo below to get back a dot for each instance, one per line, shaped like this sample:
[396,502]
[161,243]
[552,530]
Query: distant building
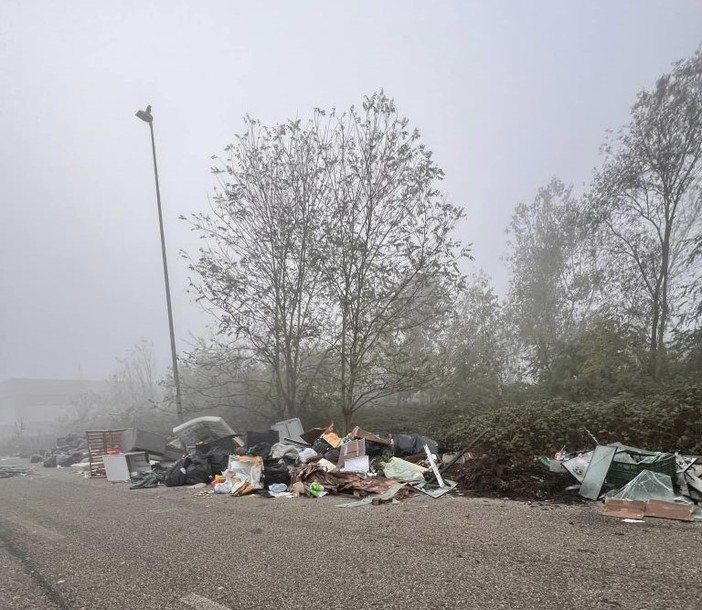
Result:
[34,403]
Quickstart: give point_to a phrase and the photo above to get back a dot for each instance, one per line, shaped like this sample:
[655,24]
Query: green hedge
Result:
[667,422]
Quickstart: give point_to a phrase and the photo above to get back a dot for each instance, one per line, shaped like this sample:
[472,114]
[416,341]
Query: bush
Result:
[666,422]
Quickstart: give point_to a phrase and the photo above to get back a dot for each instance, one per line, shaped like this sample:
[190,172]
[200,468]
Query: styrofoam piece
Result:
[289,428]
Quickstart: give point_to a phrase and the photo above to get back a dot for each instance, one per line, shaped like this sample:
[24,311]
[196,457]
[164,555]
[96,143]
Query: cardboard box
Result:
[350,450]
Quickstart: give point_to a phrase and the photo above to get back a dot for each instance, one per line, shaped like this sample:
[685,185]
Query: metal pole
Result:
[174,356]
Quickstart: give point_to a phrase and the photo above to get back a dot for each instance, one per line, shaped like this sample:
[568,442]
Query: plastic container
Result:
[620,473]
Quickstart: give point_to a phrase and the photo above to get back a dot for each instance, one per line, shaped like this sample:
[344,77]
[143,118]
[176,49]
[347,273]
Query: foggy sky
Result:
[506,94]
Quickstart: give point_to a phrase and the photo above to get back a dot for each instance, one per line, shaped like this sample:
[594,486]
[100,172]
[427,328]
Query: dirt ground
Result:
[501,476]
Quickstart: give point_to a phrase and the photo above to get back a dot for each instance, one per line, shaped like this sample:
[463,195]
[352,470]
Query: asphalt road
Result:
[67,542]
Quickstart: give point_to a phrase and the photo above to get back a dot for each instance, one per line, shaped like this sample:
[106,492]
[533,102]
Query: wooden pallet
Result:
[101,442]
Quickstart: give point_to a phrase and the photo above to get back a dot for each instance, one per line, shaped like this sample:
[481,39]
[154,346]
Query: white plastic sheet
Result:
[402,470]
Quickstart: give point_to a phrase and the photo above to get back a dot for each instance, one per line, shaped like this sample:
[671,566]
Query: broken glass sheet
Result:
[649,485]
[577,466]
[597,471]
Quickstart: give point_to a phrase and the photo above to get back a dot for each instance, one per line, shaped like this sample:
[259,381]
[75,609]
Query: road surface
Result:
[67,542]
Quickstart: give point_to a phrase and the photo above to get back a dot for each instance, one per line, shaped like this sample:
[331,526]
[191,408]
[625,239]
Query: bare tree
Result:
[327,246]
[391,263]
[648,196]
[259,268]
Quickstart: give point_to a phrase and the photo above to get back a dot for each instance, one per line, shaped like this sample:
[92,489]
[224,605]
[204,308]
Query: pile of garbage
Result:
[289,462]
[635,483]
[69,450]
[10,470]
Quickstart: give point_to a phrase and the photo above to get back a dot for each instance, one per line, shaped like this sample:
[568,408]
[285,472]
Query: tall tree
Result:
[647,198]
[391,263]
[327,248]
[477,347]
[555,274]
[260,267]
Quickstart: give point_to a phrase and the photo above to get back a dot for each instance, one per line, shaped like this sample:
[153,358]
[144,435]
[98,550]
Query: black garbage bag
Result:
[177,474]
[332,455]
[63,459]
[276,471]
[67,459]
[376,449]
[36,458]
[49,462]
[411,444]
[198,471]
[218,459]
[254,438]
[261,449]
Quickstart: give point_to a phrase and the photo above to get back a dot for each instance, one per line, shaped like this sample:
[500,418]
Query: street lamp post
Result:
[147,117]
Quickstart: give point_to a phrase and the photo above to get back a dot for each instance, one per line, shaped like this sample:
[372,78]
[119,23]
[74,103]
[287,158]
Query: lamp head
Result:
[145,115]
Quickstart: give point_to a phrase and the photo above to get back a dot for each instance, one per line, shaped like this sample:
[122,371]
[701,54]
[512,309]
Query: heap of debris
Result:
[69,450]
[286,461]
[500,476]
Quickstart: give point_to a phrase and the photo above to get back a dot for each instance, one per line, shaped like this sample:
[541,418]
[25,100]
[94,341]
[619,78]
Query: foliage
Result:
[668,421]
[476,347]
[603,359]
[555,275]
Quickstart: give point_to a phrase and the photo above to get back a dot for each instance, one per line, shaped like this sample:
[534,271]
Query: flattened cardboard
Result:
[358,432]
[333,439]
[669,510]
[311,435]
[624,509]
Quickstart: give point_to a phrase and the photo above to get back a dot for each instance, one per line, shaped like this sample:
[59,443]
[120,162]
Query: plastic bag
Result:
[316,490]
[244,473]
[275,471]
[281,450]
[402,470]
[411,444]
[306,455]
[218,459]
[223,488]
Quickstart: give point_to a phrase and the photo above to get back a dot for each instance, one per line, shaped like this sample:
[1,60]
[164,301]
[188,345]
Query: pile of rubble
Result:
[69,450]
[11,470]
[635,483]
[287,461]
